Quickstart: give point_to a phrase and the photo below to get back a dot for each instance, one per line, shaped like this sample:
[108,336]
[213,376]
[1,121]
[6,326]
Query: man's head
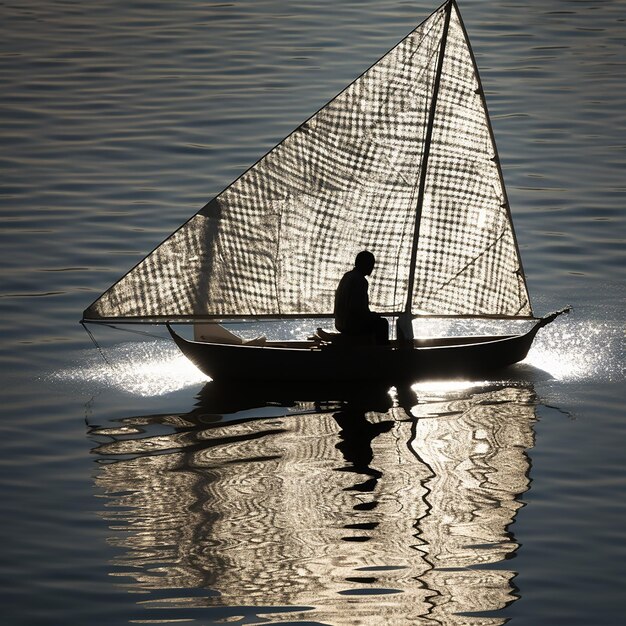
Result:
[364,262]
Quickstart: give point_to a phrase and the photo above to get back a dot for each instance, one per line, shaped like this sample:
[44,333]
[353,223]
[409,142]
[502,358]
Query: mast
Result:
[425,157]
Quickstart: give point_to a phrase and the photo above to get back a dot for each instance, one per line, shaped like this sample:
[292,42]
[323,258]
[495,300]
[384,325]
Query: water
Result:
[135,492]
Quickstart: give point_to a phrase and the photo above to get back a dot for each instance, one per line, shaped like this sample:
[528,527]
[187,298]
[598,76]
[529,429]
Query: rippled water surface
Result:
[134,491]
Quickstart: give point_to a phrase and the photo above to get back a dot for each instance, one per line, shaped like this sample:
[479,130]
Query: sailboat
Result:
[403,163]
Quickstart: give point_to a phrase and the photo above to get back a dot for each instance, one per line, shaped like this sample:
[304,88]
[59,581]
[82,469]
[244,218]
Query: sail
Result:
[276,242]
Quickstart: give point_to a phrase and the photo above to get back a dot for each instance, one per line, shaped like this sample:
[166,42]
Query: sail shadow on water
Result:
[340,515]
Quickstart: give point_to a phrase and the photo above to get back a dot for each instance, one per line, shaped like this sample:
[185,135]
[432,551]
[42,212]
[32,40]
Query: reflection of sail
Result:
[377,525]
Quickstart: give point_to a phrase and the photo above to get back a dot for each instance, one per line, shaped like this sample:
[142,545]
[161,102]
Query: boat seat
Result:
[324,338]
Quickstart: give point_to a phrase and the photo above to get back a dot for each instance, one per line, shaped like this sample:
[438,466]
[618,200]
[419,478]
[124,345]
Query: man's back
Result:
[352,311]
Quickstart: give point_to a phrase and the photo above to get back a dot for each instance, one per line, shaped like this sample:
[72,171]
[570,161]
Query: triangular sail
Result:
[468,259]
[276,242]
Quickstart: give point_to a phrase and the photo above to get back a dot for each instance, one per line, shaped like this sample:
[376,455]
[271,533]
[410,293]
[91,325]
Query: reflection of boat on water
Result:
[402,162]
[235,396]
[393,514]
[476,449]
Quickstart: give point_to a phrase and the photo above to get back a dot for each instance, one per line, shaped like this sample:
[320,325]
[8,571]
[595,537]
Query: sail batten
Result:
[275,243]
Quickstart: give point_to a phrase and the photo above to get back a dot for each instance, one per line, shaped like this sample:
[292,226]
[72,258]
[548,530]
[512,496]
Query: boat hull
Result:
[224,362]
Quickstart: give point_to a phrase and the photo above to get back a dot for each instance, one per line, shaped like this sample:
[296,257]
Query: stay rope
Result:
[128,330]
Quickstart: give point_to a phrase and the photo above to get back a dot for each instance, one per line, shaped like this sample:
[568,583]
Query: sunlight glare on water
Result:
[142,369]
[579,351]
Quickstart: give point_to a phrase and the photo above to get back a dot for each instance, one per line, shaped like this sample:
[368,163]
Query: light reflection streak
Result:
[374,516]
[445,386]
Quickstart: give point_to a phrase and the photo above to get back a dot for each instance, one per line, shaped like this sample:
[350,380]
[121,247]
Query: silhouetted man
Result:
[352,312]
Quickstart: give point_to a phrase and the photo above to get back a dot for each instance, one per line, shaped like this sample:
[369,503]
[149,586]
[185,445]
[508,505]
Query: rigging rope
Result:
[95,343]
[128,330]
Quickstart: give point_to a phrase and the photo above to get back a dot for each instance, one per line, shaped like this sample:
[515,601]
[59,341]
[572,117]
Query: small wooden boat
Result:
[307,360]
[403,163]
